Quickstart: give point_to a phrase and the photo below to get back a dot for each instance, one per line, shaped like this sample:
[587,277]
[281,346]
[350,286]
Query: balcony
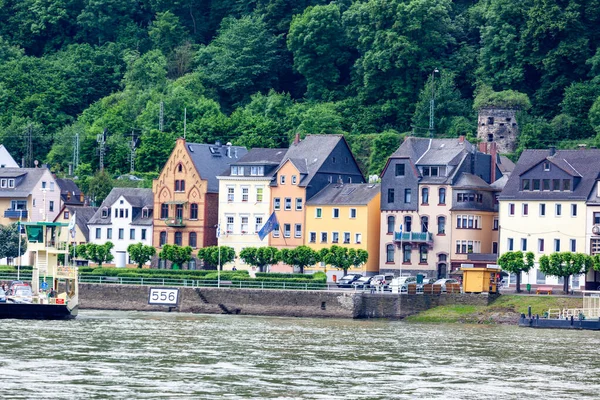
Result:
[176,222]
[10,213]
[413,237]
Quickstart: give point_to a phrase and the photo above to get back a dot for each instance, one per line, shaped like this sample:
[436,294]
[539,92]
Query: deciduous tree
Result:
[216,256]
[261,257]
[178,255]
[97,253]
[140,253]
[300,257]
[516,262]
[565,264]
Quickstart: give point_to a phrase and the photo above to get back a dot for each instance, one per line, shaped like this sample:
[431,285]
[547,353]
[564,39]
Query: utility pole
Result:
[132,146]
[432,103]
[29,148]
[101,139]
[161,117]
[76,151]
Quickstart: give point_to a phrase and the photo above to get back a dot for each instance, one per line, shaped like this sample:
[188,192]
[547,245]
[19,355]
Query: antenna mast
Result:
[132,145]
[101,139]
[161,116]
[29,149]
[76,151]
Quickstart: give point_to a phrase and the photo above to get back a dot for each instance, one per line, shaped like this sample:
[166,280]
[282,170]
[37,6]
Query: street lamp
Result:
[432,102]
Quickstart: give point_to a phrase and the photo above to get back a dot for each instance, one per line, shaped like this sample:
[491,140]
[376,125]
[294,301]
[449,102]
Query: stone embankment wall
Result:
[285,303]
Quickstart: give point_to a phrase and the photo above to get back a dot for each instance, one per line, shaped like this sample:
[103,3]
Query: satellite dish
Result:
[36,162]
[596,229]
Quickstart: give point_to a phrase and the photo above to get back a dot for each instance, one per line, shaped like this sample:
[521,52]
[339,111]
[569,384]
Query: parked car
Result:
[403,281]
[2,296]
[20,294]
[385,278]
[426,281]
[346,280]
[362,282]
[444,282]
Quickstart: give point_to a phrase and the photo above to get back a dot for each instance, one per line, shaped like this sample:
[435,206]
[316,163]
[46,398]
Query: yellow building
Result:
[346,215]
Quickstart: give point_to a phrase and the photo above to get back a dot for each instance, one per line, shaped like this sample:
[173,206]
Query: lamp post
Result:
[432,102]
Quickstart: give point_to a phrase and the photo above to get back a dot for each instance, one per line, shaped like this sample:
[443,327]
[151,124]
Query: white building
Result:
[244,200]
[124,218]
[6,160]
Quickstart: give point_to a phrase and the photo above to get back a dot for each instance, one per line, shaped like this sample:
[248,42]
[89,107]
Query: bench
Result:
[543,289]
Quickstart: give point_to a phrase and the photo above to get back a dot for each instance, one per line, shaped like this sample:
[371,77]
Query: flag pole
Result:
[219,250]
[19,252]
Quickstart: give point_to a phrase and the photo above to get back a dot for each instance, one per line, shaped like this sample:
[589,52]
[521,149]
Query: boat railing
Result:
[567,313]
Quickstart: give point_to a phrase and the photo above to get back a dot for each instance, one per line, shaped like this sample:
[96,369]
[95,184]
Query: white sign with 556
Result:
[163,297]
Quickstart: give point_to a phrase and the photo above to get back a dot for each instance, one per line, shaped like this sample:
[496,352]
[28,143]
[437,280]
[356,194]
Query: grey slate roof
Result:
[259,156]
[138,198]
[593,198]
[25,181]
[345,194]
[68,186]
[506,165]
[82,217]
[583,164]
[211,160]
[311,153]
[470,181]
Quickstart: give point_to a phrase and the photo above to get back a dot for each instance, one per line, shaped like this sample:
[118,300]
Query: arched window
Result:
[193,240]
[194,211]
[163,238]
[425,195]
[442,193]
[441,221]
[424,224]
[407,224]
[178,238]
[391,222]
[192,264]
[389,250]
[164,211]
[179,168]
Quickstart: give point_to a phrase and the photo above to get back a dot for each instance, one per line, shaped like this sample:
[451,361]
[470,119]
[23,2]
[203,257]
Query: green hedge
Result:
[13,268]
[282,275]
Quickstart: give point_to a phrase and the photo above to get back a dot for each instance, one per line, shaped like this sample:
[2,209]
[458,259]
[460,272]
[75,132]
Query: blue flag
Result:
[269,226]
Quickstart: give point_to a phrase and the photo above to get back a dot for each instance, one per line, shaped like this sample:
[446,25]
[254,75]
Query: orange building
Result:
[186,194]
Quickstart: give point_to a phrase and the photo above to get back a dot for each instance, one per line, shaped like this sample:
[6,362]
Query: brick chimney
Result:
[461,139]
[494,154]
[483,147]
[297,138]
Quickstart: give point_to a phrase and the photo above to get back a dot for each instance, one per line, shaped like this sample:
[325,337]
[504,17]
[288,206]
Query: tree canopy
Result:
[516,262]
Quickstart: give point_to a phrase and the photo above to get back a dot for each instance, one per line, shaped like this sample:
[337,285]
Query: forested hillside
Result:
[255,72]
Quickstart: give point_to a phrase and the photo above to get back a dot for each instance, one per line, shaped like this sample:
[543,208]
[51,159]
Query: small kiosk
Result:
[480,279]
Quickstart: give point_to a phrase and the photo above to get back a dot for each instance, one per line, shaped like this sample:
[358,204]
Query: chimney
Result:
[494,154]
[461,139]
[297,138]
[218,143]
[483,147]
[229,149]
[552,150]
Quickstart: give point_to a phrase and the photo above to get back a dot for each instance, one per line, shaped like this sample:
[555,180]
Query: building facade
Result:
[308,166]
[543,207]
[345,215]
[418,187]
[498,125]
[186,201]
[244,200]
[124,217]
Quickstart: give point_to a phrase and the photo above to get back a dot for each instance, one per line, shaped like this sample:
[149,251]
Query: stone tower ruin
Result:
[498,125]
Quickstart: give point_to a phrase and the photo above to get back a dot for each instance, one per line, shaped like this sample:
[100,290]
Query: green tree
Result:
[178,255]
[516,262]
[343,258]
[565,264]
[154,150]
[212,255]
[243,59]
[487,97]
[146,71]
[318,41]
[96,253]
[100,186]
[300,257]
[140,254]
[166,32]
[261,257]
[9,241]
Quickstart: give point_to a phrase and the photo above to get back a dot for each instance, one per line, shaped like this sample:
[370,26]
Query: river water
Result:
[107,354]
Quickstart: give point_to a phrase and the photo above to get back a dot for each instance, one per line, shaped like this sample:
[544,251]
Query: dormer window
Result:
[430,171]
[105,212]
[546,166]
[525,184]
[567,185]
[257,171]
[145,212]
[11,183]
[237,170]
[3,183]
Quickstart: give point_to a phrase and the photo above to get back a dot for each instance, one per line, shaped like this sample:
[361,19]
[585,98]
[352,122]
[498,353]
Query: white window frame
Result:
[353,210]
[358,238]
[333,212]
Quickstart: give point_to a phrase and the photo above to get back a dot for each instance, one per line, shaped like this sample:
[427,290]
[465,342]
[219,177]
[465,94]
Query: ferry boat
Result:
[54,287]
[587,318]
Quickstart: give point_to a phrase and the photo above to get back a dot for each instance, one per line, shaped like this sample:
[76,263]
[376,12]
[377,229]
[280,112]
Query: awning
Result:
[175,202]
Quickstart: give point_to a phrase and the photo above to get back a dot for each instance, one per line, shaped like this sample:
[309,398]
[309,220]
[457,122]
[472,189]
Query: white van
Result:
[376,282]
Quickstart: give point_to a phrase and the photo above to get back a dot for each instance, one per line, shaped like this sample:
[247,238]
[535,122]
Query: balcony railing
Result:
[175,222]
[10,213]
[414,237]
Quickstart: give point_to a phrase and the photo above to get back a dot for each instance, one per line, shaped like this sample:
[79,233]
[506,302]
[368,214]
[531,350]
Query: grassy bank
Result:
[505,309]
